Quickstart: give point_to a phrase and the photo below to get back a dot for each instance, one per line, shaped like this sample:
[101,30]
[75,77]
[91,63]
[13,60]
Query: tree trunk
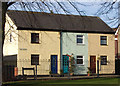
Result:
[0,43]
[2,37]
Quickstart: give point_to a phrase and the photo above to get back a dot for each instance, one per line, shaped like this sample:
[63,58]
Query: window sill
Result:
[104,44]
[103,64]
[80,44]
[80,64]
[34,43]
[34,64]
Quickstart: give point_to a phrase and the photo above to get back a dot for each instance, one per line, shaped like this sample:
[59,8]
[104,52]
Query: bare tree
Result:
[49,6]
[3,10]
[55,6]
[111,11]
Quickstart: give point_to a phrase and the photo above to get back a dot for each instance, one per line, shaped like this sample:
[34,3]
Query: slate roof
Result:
[26,20]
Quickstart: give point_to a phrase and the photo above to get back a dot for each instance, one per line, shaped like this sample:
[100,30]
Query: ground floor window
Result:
[80,60]
[34,59]
[103,60]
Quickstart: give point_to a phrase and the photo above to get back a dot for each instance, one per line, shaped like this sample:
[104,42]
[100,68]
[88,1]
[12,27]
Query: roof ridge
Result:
[53,13]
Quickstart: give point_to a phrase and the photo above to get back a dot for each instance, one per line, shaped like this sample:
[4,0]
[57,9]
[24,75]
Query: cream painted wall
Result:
[49,45]
[21,45]
[95,49]
[70,46]
[10,48]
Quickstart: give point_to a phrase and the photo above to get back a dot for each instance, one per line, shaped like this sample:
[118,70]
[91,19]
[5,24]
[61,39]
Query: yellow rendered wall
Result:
[49,45]
[95,49]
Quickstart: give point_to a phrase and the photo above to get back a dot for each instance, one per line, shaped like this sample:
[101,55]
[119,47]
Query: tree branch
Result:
[10,4]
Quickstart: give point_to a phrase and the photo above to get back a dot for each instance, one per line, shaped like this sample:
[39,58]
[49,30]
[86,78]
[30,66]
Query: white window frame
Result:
[106,58]
[102,44]
[80,58]
[80,38]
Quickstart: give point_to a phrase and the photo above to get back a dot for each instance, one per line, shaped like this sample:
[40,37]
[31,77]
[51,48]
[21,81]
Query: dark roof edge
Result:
[10,55]
[42,29]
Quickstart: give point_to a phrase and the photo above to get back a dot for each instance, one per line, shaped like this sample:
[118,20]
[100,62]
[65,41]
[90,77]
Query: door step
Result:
[55,75]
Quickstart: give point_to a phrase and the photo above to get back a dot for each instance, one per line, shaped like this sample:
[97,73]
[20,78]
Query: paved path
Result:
[75,77]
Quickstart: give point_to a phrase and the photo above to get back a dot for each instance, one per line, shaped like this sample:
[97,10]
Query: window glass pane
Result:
[103,40]
[103,37]
[79,35]
[34,59]
[103,60]
[10,37]
[34,37]
[79,59]
[79,38]
[37,39]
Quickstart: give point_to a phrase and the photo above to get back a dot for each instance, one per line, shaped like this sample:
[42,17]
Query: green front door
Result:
[65,64]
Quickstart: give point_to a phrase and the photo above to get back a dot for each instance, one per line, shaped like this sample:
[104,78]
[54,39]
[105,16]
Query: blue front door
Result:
[54,64]
[65,64]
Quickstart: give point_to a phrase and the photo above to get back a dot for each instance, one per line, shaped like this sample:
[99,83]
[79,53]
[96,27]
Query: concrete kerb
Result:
[74,77]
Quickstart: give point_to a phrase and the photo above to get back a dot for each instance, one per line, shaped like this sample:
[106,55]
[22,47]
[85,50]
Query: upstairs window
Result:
[103,40]
[79,39]
[34,59]
[34,37]
[10,37]
[103,60]
[80,60]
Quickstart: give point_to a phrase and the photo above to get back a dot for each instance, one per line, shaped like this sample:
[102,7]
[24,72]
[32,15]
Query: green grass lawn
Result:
[64,82]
